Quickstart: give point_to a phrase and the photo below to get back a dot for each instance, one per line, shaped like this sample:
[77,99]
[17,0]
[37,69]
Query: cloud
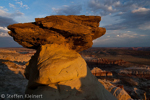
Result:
[103,7]
[107,7]
[22,5]
[68,10]
[12,6]
[131,21]
[2,8]
[123,34]
[118,39]
[145,26]
[4,13]
[119,42]
[127,35]
[3,32]
[5,21]
[129,14]
[140,10]
[128,17]
[124,14]
[143,35]
[117,3]
[16,14]
[3,28]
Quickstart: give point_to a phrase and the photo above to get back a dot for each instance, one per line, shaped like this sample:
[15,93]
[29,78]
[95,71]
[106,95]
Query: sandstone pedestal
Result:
[59,73]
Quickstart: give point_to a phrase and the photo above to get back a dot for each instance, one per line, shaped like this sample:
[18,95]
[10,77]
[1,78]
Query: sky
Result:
[127,22]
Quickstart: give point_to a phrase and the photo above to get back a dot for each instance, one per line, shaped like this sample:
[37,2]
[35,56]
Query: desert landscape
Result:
[58,63]
[122,71]
[74,50]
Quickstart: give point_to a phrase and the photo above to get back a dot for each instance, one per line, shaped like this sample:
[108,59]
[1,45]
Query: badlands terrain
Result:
[128,68]
[122,71]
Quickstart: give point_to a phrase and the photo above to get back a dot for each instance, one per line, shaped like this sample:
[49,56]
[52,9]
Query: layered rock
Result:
[57,70]
[98,72]
[76,31]
[140,72]
[107,61]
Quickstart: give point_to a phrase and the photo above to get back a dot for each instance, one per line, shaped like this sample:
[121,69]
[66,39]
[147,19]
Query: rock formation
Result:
[98,72]
[75,31]
[104,61]
[57,70]
[118,92]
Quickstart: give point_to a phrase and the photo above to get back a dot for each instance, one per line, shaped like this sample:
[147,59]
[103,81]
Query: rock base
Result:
[58,73]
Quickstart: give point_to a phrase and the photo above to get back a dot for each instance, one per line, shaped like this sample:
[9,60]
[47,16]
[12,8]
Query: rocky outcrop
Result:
[57,70]
[118,92]
[138,72]
[75,31]
[104,61]
[98,72]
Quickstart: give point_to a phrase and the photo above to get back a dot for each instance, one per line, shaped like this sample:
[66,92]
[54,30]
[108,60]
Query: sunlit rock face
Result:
[118,92]
[57,70]
[59,73]
[76,31]
[54,63]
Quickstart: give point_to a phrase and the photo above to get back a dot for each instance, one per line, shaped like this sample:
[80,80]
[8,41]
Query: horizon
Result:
[88,48]
[127,23]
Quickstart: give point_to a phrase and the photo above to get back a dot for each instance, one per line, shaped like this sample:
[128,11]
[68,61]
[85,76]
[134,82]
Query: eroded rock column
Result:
[57,70]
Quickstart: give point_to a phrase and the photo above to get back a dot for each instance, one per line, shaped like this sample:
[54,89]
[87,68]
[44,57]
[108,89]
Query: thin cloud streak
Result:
[22,5]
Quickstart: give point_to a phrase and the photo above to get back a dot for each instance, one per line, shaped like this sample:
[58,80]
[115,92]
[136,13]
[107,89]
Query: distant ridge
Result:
[128,48]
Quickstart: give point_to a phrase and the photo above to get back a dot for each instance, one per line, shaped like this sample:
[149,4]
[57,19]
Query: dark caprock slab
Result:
[77,32]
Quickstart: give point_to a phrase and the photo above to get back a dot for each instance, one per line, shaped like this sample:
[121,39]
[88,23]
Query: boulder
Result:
[59,73]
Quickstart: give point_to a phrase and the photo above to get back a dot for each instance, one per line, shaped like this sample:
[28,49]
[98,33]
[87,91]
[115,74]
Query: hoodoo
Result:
[57,70]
